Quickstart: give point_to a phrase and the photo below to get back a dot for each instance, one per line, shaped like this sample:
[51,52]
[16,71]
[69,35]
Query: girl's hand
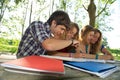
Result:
[79,55]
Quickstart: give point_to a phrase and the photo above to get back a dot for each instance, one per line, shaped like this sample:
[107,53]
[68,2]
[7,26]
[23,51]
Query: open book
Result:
[79,59]
[35,65]
[96,68]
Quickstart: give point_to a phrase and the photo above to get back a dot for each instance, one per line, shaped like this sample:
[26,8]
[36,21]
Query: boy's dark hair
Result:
[60,17]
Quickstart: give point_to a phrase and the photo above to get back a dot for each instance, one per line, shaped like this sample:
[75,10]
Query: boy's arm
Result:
[57,44]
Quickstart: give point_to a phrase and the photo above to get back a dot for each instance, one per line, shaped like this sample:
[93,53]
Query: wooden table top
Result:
[70,74]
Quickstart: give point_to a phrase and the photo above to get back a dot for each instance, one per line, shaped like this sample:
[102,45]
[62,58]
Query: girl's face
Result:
[71,33]
[95,38]
[89,37]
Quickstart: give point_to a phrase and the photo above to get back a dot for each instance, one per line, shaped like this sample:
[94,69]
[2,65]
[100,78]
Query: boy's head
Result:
[59,22]
[60,18]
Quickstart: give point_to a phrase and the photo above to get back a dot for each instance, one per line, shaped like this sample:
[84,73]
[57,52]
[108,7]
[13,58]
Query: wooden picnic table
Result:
[70,74]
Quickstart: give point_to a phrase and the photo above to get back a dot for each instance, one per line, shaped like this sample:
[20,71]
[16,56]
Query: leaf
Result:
[17,1]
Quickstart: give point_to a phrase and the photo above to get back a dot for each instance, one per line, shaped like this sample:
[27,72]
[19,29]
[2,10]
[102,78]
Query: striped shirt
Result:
[31,42]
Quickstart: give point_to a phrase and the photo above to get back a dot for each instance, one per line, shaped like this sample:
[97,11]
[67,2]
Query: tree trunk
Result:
[92,13]
[30,12]
[24,18]
[3,7]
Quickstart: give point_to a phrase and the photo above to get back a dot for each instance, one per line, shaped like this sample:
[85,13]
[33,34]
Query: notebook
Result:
[35,64]
[79,59]
[96,68]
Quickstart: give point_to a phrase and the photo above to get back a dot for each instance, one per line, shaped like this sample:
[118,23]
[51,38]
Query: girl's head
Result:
[87,33]
[96,42]
[73,33]
[97,37]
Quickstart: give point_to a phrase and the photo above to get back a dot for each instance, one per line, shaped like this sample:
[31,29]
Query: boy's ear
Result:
[54,23]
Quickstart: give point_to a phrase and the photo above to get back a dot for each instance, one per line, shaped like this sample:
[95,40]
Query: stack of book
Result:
[35,65]
[101,68]
[96,68]
[55,65]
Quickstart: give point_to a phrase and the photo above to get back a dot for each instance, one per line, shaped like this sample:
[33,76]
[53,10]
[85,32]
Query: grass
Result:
[116,56]
[8,48]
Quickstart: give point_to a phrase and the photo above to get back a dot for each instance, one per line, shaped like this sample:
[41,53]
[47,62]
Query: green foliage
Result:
[8,45]
[116,51]
[8,48]
[7,1]
[117,58]
[109,1]
[104,42]
[4,5]
[12,42]
[17,1]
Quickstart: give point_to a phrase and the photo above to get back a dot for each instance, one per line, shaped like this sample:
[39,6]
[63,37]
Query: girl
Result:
[85,38]
[97,47]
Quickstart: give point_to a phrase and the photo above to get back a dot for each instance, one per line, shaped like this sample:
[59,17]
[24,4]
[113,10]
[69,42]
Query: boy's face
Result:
[59,31]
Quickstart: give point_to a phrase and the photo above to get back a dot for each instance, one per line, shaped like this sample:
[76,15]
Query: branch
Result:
[85,8]
[102,9]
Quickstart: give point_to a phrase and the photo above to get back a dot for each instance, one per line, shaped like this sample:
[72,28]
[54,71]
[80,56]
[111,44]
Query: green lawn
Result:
[116,55]
[8,49]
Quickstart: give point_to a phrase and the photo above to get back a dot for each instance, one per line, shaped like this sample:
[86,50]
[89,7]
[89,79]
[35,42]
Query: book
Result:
[79,59]
[96,68]
[35,64]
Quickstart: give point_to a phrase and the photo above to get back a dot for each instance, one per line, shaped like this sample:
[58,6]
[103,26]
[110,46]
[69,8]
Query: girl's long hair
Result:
[84,32]
[75,25]
[95,48]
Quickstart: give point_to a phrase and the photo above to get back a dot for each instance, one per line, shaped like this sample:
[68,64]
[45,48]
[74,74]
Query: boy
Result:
[37,38]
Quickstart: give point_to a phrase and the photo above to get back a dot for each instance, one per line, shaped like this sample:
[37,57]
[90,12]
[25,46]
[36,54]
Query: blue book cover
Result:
[100,69]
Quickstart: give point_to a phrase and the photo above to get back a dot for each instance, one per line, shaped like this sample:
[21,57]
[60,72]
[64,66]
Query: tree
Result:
[97,15]
[92,10]
[63,4]
[4,5]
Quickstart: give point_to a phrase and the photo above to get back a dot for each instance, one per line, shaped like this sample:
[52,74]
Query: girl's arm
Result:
[80,55]
[106,52]
[92,56]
